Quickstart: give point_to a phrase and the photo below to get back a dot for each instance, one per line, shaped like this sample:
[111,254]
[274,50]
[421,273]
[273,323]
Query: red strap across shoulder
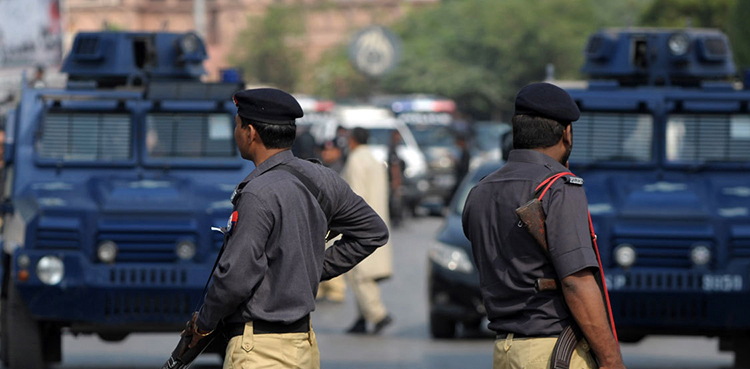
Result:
[549,181]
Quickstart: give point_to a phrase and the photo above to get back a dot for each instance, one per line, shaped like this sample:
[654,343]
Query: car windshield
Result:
[487,135]
[382,136]
[432,136]
[699,138]
[190,135]
[85,136]
[623,137]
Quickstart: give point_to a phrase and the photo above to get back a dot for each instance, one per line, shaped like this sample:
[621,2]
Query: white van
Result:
[381,123]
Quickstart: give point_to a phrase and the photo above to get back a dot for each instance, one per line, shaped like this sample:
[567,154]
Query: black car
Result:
[453,280]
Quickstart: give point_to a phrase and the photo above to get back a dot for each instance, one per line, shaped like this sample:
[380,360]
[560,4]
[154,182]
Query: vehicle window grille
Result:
[708,138]
[612,137]
[190,135]
[87,45]
[85,136]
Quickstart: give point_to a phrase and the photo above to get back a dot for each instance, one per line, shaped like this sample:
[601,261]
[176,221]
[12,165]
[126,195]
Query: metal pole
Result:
[199,17]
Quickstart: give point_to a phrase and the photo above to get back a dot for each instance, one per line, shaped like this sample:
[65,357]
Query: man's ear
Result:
[568,135]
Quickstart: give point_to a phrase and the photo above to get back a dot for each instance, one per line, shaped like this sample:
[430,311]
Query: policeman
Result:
[264,287]
[509,261]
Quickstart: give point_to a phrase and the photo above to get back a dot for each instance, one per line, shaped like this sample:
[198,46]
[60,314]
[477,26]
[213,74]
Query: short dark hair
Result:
[360,135]
[530,132]
[274,136]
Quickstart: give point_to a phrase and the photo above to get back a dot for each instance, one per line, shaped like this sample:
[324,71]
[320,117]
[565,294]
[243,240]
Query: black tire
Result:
[4,336]
[25,348]
[442,327]
[741,348]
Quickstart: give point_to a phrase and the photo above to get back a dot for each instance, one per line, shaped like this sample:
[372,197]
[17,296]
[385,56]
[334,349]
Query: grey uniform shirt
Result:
[275,256]
[509,260]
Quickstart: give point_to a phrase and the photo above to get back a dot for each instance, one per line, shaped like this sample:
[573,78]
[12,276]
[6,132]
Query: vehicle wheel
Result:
[441,326]
[25,349]
[4,338]
[741,348]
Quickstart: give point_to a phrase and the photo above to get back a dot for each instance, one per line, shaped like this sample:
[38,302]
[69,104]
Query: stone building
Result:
[328,22]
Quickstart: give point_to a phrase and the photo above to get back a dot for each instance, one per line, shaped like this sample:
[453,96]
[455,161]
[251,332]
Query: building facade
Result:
[327,22]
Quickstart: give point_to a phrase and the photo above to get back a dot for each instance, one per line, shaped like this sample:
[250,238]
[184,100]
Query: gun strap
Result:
[571,335]
[564,347]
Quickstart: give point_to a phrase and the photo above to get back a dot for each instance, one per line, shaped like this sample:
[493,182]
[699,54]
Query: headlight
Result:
[107,252]
[679,44]
[700,255]
[185,249]
[625,255]
[451,258]
[50,270]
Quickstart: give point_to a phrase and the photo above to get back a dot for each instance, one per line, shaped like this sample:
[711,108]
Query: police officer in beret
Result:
[509,261]
[264,287]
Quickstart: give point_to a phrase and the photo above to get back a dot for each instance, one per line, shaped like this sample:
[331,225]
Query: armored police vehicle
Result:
[663,144]
[112,187]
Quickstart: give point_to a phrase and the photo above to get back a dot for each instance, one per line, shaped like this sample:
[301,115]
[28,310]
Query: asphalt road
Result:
[406,344]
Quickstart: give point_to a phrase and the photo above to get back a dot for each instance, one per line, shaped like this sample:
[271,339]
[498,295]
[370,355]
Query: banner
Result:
[30,33]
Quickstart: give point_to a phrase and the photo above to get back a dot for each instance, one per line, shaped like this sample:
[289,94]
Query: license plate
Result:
[722,283]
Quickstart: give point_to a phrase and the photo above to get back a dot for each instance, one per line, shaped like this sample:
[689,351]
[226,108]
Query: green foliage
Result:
[739,32]
[265,50]
[681,13]
[480,52]
[335,77]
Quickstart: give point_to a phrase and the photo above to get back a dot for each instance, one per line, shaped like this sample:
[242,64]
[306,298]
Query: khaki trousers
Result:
[272,351]
[367,294]
[334,289]
[536,353]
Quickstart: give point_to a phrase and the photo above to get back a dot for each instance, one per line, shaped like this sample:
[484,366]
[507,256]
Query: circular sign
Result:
[374,51]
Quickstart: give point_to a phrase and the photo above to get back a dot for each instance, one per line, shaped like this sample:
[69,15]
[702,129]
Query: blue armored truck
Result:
[112,185]
[663,145]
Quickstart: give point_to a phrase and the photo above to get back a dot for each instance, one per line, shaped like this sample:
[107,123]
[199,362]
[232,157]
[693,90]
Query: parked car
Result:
[453,280]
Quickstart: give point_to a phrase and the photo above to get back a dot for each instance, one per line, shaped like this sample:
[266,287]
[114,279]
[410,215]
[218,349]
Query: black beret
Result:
[267,105]
[547,101]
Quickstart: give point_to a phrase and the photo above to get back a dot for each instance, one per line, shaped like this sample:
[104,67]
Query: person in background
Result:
[462,164]
[38,80]
[333,290]
[395,179]
[304,144]
[368,178]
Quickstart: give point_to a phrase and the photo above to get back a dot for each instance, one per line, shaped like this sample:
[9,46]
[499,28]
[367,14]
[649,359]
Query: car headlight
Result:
[451,258]
[625,255]
[679,44]
[185,249]
[50,270]
[107,252]
[700,255]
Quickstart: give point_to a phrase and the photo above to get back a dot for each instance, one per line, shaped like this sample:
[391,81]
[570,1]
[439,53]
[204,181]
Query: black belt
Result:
[265,327]
[502,336]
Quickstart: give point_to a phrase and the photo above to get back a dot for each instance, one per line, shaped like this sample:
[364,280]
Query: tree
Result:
[481,52]
[682,13]
[266,51]
[739,30]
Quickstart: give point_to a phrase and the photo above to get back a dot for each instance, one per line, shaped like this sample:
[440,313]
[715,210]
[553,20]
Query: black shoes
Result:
[379,326]
[360,325]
